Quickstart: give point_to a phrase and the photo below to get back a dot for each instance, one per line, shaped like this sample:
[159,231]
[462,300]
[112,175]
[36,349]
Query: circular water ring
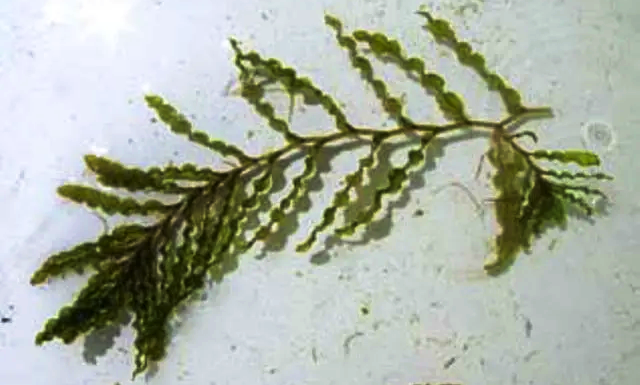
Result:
[599,136]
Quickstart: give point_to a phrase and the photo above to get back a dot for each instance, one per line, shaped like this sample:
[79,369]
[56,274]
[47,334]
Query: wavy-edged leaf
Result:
[100,302]
[187,172]
[541,208]
[256,72]
[578,195]
[110,203]
[253,93]
[390,50]
[151,309]
[288,202]
[443,33]
[580,157]
[261,186]
[341,198]
[179,124]
[112,246]
[175,256]
[114,174]
[231,229]
[392,105]
[214,225]
[575,175]
[396,179]
[168,268]
[222,261]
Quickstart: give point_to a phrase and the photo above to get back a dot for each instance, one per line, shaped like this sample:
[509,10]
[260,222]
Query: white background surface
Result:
[72,83]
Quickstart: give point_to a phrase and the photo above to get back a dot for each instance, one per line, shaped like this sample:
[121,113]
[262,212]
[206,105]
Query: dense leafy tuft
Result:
[151,270]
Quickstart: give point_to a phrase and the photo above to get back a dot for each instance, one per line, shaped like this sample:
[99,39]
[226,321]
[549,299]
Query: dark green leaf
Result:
[109,203]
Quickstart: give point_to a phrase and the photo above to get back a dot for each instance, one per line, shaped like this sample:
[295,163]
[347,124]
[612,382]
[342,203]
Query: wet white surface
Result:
[73,74]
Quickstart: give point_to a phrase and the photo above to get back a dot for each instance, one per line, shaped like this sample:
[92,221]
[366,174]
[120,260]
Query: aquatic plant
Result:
[149,270]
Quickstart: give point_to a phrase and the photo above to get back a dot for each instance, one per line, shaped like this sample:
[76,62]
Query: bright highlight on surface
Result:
[106,19]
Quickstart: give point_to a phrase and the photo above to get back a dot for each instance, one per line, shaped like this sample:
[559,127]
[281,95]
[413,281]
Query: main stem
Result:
[356,132]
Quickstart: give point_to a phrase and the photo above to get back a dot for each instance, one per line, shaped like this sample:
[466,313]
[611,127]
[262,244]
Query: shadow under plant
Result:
[152,271]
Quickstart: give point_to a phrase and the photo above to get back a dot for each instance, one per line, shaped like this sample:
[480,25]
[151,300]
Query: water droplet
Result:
[599,136]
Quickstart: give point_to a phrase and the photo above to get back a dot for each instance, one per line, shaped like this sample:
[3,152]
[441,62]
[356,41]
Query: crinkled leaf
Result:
[443,33]
[580,157]
[99,303]
[396,179]
[107,248]
[110,203]
[179,124]
[256,72]
[341,198]
[389,50]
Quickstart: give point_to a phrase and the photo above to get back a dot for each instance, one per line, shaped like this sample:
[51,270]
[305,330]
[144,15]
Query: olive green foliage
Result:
[150,270]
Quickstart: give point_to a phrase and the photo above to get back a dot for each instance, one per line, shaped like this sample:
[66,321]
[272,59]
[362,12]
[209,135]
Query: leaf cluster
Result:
[531,198]
[151,270]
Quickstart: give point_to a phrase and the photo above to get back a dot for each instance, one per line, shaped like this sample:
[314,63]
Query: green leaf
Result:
[452,106]
[257,72]
[341,198]
[441,29]
[575,175]
[443,33]
[287,204]
[261,186]
[389,50]
[396,179]
[379,44]
[332,21]
[163,180]
[97,305]
[179,124]
[109,203]
[217,235]
[579,157]
[109,247]
[113,174]
[186,172]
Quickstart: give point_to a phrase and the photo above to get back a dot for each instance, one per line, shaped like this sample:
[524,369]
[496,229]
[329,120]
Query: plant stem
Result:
[361,132]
